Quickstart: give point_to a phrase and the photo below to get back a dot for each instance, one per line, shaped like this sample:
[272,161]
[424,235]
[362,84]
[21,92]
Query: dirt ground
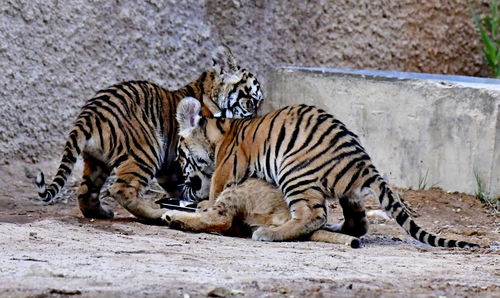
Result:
[53,251]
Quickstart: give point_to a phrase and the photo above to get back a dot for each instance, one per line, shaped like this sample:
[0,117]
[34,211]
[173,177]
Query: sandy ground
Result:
[52,251]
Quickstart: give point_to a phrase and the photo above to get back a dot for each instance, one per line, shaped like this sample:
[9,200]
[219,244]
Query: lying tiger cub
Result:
[246,206]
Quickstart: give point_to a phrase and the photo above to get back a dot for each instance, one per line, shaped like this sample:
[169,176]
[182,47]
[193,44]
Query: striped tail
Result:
[72,150]
[394,206]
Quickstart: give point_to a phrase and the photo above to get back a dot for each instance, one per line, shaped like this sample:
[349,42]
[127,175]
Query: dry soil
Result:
[51,250]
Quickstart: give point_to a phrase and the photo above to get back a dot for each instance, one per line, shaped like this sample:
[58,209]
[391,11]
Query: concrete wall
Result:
[55,54]
[443,129]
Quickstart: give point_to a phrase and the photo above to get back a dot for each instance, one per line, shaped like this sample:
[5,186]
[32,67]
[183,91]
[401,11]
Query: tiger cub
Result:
[249,205]
[131,128]
[310,155]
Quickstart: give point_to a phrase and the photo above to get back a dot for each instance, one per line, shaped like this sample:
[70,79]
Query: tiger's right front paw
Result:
[167,217]
[173,219]
[263,234]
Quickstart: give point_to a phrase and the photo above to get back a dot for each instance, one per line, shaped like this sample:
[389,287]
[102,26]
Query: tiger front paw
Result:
[264,234]
[167,217]
[170,218]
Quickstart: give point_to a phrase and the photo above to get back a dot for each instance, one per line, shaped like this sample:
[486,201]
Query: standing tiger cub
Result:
[131,128]
[310,155]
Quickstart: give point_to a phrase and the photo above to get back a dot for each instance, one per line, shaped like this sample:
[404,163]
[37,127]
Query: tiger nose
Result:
[195,183]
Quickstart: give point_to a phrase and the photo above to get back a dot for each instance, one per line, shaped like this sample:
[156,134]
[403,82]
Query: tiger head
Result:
[197,168]
[195,152]
[239,93]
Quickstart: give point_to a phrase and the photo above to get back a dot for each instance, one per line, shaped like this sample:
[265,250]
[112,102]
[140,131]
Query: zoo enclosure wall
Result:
[421,130]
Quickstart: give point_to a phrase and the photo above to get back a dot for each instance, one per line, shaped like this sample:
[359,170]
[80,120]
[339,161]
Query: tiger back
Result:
[131,128]
[310,155]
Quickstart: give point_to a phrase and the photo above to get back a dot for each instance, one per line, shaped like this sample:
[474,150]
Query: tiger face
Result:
[240,99]
[240,93]
[197,166]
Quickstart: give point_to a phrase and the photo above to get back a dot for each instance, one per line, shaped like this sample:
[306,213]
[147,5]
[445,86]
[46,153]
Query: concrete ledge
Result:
[418,128]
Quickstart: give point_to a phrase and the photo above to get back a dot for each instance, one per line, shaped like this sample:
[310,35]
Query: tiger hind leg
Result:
[131,179]
[353,207]
[95,173]
[308,214]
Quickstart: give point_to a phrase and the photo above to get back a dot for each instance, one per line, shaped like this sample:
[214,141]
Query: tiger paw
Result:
[167,217]
[171,218]
[263,234]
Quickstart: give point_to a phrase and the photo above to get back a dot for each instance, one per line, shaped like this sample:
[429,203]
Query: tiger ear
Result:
[225,64]
[188,115]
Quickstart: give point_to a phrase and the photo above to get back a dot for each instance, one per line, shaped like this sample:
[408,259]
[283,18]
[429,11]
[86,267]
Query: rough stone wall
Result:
[405,35]
[55,54]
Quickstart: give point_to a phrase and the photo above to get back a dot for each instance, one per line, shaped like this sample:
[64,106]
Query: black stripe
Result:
[141,163]
[74,143]
[59,181]
[219,126]
[402,217]
[88,123]
[144,180]
[281,137]
[146,100]
[112,140]
[81,127]
[64,168]
[297,192]
[431,240]
[131,86]
[392,204]
[119,160]
[52,192]
[69,158]
[383,193]
[107,120]
[296,185]
[231,149]
[190,91]
[422,236]
[138,146]
[155,98]
[293,202]
[296,130]
[441,242]
[413,229]
[368,182]
[268,163]
[353,178]
[342,172]
[235,164]
[119,180]
[261,120]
